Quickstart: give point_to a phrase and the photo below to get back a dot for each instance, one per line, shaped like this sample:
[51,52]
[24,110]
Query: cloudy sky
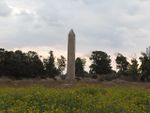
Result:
[108,25]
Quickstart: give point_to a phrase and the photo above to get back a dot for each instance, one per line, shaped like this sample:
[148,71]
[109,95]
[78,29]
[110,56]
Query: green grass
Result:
[85,99]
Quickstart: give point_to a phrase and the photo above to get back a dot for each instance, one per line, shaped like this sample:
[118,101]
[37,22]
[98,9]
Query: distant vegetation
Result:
[21,65]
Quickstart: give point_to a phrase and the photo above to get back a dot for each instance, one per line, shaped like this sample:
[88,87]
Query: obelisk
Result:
[71,56]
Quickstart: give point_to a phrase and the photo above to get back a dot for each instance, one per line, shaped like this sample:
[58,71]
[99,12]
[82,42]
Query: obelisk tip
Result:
[71,32]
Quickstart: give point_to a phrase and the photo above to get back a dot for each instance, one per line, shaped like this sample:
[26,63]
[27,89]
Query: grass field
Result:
[80,99]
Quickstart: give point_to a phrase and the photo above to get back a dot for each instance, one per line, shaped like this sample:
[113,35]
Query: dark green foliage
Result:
[79,67]
[2,61]
[61,62]
[19,65]
[101,63]
[35,64]
[133,69]
[122,64]
[145,67]
[50,68]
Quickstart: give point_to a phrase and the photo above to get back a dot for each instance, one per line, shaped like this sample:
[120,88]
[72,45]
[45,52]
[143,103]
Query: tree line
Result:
[20,65]
[101,65]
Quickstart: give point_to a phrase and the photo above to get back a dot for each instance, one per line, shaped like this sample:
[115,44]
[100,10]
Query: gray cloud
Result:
[101,24]
[4,9]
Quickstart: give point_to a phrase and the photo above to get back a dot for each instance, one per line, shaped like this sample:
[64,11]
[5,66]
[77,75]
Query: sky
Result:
[107,25]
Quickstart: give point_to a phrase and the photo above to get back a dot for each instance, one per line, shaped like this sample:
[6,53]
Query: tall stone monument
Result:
[71,56]
[148,52]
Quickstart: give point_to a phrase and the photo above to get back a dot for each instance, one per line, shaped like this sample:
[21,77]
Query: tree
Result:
[122,64]
[35,65]
[2,59]
[9,64]
[79,67]
[51,70]
[13,66]
[145,67]
[101,63]
[61,62]
[20,65]
[133,69]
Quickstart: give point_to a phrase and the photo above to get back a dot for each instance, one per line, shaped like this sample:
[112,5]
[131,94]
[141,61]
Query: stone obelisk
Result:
[71,56]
